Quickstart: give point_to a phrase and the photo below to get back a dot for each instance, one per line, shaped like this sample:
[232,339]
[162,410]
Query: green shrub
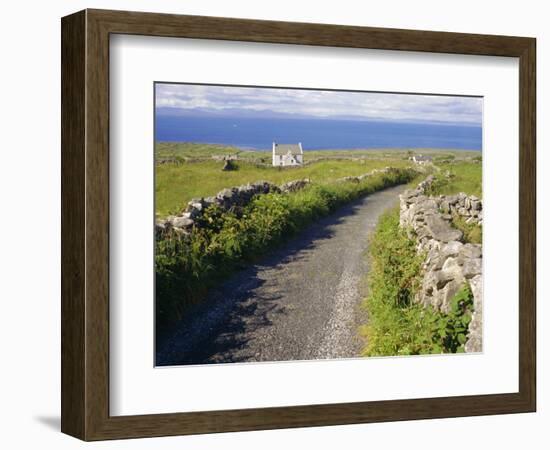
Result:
[186,267]
[396,325]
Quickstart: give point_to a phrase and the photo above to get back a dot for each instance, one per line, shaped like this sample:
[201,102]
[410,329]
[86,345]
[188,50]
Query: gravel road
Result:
[299,303]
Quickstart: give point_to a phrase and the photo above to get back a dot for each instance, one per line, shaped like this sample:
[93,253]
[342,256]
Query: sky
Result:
[269,102]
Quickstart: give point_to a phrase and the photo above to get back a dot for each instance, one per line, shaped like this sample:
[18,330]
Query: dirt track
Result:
[299,303]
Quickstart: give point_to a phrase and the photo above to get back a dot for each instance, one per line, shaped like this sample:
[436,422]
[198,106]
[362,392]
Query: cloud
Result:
[319,104]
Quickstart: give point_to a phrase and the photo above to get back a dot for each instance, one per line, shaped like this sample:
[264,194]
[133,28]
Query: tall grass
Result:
[187,267]
[396,324]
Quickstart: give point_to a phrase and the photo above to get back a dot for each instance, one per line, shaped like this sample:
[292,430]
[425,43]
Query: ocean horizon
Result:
[315,134]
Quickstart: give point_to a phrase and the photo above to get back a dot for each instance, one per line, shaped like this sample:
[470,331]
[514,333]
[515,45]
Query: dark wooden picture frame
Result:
[85,224]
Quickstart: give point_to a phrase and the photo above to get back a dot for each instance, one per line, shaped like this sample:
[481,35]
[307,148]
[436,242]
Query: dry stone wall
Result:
[229,198]
[359,178]
[237,197]
[449,262]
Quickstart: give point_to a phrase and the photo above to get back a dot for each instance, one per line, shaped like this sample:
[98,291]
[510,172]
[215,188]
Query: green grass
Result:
[198,151]
[199,174]
[187,267]
[396,325]
[463,177]
[398,153]
[473,233]
[176,184]
[188,150]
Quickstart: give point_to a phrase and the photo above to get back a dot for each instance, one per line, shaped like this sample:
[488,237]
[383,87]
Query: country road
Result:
[301,302]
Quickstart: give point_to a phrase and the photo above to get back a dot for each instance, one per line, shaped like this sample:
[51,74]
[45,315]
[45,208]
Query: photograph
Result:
[296,224]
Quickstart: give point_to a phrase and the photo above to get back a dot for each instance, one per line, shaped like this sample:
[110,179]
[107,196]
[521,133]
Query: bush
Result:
[397,325]
[186,267]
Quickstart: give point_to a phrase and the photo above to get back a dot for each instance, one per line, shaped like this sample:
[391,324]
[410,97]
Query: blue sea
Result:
[315,134]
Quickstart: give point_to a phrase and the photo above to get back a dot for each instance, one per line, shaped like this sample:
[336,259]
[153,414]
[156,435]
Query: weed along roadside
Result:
[216,236]
[425,283]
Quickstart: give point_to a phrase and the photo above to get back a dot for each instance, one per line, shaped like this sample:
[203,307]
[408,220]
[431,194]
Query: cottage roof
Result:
[283,149]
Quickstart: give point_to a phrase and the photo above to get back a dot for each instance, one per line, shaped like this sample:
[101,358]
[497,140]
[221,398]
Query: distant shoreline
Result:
[335,149]
[316,134]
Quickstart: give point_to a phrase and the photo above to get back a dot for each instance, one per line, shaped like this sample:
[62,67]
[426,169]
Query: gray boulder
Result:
[440,230]
[182,222]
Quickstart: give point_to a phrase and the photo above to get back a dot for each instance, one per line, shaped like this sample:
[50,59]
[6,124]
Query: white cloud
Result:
[323,104]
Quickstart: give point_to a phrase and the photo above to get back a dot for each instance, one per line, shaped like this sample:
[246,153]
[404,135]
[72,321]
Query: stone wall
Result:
[359,178]
[468,207]
[449,263]
[230,198]
[238,197]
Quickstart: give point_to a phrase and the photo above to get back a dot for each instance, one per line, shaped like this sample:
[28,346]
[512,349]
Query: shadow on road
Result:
[241,305]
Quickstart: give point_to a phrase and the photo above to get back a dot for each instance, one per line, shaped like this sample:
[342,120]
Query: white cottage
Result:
[288,154]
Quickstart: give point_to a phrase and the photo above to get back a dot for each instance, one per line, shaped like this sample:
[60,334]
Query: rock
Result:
[229,165]
[452,248]
[474,344]
[225,194]
[350,179]
[471,267]
[442,277]
[475,205]
[441,230]
[470,251]
[194,212]
[452,199]
[452,269]
[182,222]
[293,186]
[476,285]
[209,201]
[447,294]
[194,207]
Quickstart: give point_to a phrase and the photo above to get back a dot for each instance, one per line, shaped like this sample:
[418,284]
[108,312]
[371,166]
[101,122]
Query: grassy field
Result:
[194,170]
[176,184]
[464,177]
[184,150]
[188,151]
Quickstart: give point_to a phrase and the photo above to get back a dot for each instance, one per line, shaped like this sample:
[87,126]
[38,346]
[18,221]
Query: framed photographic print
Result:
[271,224]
